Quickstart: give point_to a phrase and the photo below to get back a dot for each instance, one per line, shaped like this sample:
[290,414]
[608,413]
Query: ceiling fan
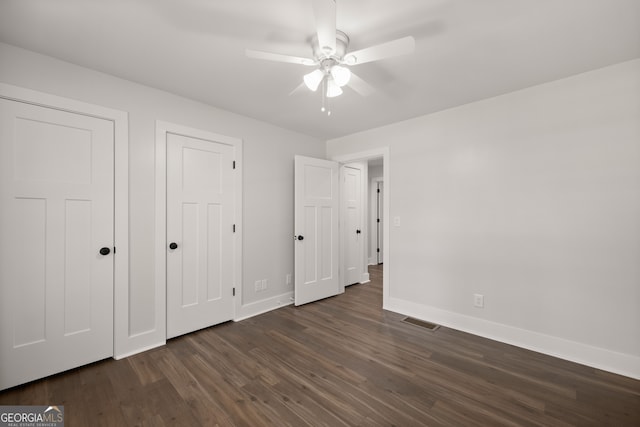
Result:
[332,58]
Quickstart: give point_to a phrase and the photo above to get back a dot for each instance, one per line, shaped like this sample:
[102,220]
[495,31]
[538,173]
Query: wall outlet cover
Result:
[478,300]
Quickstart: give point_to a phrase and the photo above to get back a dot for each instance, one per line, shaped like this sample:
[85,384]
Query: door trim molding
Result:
[162,129]
[120,120]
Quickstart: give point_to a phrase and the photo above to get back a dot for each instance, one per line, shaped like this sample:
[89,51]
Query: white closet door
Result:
[200,252]
[56,214]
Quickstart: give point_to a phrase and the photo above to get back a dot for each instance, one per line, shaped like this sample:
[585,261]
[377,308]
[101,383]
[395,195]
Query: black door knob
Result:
[358,231]
[300,237]
[105,251]
[173,245]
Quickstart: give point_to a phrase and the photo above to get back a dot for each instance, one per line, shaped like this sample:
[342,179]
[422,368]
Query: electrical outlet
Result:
[478,300]
[258,285]
[265,284]
[396,221]
[288,279]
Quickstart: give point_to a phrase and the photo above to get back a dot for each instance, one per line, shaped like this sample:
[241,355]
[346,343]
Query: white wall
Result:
[375,172]
[267,179]
[531,199]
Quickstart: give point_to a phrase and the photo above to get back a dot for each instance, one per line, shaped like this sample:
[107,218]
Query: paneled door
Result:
[56,241]
[200,230]
[352,223]
[316,243]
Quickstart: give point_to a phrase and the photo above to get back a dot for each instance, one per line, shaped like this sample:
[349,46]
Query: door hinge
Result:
[234,292]
[378,190]
[378,219]
[378,250]
[234,164]
[234,228]
[114,250]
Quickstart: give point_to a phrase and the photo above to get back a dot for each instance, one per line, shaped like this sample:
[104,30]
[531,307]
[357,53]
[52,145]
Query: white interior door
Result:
[56,213]
[200,229]
[352,223]
[316,229]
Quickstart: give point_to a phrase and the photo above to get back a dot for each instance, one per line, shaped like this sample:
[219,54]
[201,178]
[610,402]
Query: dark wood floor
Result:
[338,362]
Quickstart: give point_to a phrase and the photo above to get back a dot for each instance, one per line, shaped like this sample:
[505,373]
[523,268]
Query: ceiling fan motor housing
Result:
[342,43]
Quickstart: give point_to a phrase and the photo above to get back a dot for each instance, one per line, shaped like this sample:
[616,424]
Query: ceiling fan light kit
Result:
[333,89]
[330,54]
[333,75]
[313,79]
[341,75]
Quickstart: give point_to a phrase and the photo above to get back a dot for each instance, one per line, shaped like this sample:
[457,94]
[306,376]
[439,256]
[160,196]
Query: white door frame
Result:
[120,121]
[363,156]
[162,128]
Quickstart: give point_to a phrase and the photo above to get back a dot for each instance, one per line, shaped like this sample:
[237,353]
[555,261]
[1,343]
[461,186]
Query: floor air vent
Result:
[427,325]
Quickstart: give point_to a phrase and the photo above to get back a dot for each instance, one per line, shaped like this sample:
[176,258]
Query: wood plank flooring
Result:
[342,361]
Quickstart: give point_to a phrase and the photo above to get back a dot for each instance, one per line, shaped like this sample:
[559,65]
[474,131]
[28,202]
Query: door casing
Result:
[121,194]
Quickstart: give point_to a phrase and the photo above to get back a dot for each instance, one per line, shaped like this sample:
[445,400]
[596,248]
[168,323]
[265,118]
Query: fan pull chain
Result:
[324,94]
[325,100]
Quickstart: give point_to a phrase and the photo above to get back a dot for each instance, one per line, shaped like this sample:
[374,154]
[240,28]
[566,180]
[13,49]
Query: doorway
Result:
[307,220]
[381,156]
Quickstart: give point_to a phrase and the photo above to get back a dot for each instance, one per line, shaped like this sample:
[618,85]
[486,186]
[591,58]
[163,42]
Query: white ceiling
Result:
[466,50]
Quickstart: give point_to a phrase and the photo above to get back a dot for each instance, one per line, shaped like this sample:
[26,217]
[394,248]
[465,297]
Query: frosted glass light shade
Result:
[333,89]
[341,75]
[313,79]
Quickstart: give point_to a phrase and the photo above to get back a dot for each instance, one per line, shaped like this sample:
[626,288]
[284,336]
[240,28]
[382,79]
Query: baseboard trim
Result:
[246,311]
[263,306]
[595,357]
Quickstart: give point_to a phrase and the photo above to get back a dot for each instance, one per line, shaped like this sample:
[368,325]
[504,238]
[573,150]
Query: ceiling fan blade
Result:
[360,86]
[299,89]
[325,14]
[257,54]
[396,47]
